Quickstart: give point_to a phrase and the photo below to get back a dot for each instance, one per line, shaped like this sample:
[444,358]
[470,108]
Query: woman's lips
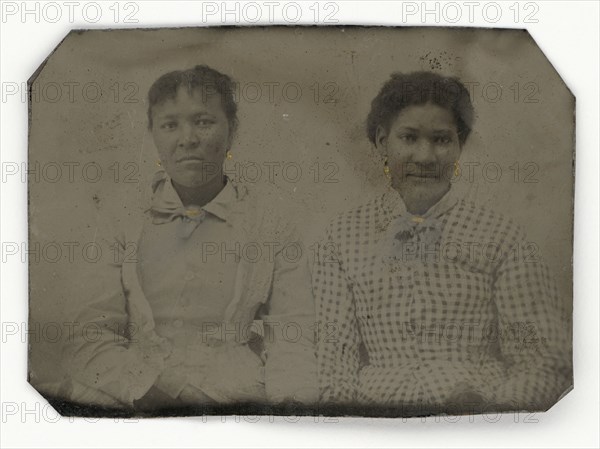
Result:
[422,176]
[190,159]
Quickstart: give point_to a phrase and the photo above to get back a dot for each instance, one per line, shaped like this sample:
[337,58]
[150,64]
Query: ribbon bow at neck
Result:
[190,217]
[412,238]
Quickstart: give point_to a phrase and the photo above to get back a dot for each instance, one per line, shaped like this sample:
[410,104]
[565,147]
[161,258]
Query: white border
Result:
[566,31]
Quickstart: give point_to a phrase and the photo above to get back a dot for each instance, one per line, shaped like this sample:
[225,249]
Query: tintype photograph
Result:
[361,221]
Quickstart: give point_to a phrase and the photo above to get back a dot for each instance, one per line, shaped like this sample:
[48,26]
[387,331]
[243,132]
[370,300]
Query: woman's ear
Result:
[231,136]
[461,147]
[381,139]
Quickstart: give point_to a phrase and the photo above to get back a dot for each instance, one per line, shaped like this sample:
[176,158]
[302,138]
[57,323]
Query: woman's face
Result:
[192,136]
[422,147]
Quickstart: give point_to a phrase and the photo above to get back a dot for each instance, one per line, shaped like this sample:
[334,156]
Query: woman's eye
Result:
[203,122]
[443,140]
[410,138]
[169,125]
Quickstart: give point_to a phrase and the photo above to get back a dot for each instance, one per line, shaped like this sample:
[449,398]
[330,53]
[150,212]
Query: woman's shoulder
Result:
[484,223]
[269,215]
[360,219]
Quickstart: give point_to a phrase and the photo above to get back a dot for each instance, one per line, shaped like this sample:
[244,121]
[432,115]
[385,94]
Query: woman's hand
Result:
[464,396]
[154,399]
[191,395]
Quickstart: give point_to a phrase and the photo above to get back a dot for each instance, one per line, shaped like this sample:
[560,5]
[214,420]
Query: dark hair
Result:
[211,81]
[417,88]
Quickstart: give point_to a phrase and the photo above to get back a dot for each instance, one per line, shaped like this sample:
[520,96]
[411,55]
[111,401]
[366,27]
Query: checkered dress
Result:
[410,317]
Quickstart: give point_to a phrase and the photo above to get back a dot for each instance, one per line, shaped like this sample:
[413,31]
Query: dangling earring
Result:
[229,156]
[386,169]
[158,163]
[456,169]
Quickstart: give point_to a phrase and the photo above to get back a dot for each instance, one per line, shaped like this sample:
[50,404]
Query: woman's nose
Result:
[424,152]
[187,135]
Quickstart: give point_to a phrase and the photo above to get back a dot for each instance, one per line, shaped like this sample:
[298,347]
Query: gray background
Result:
[356,61]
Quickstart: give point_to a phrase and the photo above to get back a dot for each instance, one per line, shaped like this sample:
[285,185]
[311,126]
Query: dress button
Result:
[178,323]
[189,276]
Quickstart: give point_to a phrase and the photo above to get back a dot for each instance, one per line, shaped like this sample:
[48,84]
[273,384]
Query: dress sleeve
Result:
[338,337]
[291,365]
[113,358]
[533,330]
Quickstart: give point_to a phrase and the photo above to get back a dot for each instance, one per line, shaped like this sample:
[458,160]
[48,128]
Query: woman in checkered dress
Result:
[425,300]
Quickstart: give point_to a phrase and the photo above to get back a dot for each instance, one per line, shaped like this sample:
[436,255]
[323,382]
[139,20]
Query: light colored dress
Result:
[411,308]
[217,298]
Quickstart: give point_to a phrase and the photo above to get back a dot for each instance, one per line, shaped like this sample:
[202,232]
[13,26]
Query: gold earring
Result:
[229,155]
[158,163]
[456,169]
[386,170]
